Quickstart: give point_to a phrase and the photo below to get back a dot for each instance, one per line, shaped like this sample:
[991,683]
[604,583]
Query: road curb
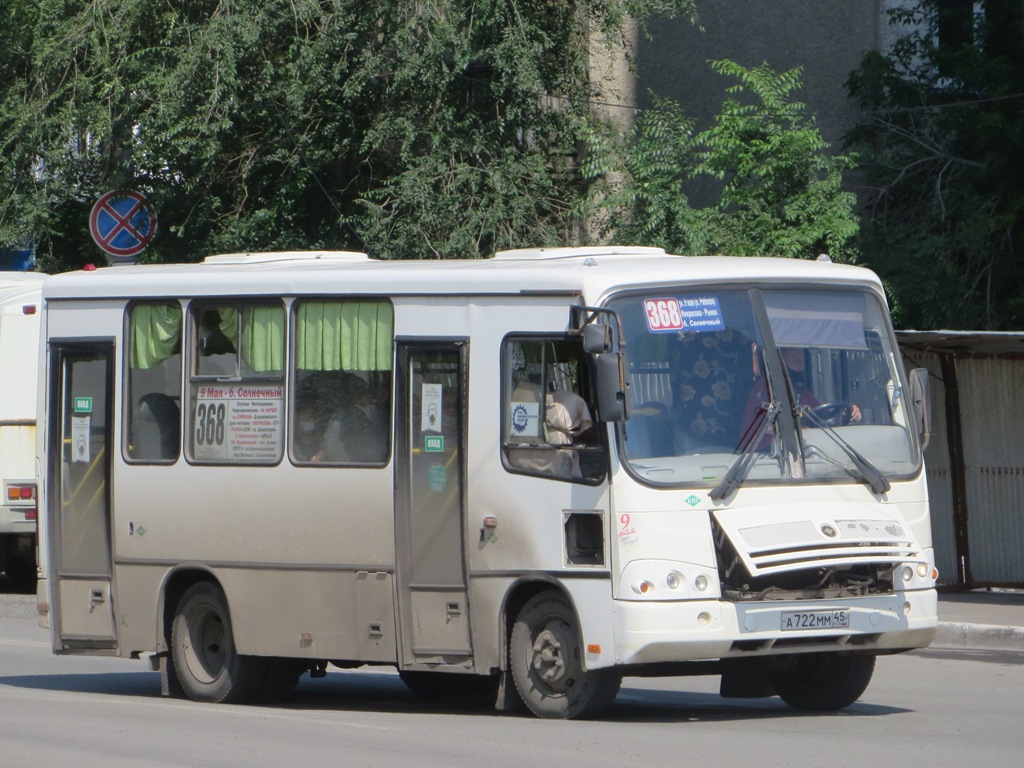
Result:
[988,636]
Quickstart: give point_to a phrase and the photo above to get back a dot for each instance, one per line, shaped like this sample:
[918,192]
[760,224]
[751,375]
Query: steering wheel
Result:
[834,414]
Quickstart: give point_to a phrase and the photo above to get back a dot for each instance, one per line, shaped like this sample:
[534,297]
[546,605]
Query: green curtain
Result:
[344,335]
[263,338]
[155,334]
[228,324]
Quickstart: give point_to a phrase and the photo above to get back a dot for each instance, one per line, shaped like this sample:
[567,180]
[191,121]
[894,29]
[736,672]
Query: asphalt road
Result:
[936,708]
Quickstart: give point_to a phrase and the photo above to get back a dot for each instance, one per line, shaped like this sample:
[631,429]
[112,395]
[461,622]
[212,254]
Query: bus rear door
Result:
[78,496]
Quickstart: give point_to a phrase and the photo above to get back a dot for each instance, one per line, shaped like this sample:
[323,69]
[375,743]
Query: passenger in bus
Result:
[308,433]
[566,418]
[339,419]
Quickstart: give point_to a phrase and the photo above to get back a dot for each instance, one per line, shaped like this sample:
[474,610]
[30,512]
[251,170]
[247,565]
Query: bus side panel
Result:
[320,615]
[313,518]
[311,549]
[300,614]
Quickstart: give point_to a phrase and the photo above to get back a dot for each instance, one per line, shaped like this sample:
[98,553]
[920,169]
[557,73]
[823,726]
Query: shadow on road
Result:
[385,693]
[9,586]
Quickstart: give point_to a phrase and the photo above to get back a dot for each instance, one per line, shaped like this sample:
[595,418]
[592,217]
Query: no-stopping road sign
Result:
[122,223]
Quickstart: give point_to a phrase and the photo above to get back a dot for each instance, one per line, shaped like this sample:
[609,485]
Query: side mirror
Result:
[613,402]
[596,338]
[920,404]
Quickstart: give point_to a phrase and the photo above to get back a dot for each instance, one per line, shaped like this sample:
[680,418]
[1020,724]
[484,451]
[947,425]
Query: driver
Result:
[796,364]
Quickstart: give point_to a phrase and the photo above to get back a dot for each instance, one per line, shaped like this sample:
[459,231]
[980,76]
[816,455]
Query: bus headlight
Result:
[666,580]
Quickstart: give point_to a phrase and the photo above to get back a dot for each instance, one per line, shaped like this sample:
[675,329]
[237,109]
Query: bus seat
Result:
[651,383]
[157,428]
[649,433]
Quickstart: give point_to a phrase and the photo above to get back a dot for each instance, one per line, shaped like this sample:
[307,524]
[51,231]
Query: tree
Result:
[779,190]
[943,140]
[406,128]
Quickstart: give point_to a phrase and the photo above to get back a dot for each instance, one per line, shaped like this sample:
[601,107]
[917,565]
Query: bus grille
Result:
[839,555]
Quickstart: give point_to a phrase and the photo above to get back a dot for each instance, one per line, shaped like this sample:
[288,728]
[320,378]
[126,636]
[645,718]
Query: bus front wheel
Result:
[547,662]
[822,682]
[203,650]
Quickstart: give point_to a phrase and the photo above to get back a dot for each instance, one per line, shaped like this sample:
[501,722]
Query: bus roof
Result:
[591,272]
[15,285]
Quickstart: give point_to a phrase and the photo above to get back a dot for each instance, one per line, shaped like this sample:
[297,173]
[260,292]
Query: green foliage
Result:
[943,137]
[779,192]
[444,128]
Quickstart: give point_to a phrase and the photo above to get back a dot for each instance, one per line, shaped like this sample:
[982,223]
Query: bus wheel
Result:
[822,682]
[203,648]
[547,662]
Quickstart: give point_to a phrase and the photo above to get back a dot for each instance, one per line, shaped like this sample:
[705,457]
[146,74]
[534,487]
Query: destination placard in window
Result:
[238,423]
[687,313]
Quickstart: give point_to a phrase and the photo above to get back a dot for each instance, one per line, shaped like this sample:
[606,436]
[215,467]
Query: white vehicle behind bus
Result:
[19,367]
[528,475]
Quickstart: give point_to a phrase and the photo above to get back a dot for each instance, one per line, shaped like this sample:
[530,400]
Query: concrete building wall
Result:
[826,38]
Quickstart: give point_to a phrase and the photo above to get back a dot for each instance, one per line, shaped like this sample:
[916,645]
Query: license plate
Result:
[836,619]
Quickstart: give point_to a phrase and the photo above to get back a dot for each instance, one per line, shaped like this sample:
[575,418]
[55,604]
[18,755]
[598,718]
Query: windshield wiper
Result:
[869,473]
[738,471]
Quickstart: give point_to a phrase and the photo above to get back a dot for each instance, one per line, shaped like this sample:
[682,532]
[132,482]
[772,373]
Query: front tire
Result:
[547,662]
[203,649]
[822,682]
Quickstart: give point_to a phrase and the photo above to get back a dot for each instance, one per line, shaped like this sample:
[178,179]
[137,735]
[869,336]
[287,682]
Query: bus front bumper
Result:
[650,633]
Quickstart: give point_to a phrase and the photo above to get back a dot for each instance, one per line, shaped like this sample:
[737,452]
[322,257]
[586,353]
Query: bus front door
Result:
[78,495]
[429,490]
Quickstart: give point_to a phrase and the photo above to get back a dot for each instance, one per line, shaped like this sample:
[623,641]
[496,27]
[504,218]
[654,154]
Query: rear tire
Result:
[547,662]
[203,648]
[822,682]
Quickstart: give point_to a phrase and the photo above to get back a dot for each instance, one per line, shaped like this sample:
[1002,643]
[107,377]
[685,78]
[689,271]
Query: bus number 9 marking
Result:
[624,519]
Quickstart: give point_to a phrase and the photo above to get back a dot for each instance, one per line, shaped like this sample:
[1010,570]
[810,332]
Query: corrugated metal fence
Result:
[975,460]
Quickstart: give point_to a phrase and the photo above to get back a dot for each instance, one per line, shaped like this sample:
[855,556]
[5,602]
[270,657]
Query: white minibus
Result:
[528,475]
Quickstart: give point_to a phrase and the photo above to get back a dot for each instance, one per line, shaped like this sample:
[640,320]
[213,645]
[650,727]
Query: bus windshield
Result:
[707,364]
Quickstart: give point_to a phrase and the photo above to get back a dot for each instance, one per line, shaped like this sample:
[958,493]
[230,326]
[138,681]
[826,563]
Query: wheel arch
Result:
[176,583]
[521,591]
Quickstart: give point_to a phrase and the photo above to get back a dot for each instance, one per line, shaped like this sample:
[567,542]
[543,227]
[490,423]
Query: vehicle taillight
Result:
[21,492]
[23,498]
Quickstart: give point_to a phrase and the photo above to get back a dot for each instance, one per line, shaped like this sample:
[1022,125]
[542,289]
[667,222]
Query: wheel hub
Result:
[549,662]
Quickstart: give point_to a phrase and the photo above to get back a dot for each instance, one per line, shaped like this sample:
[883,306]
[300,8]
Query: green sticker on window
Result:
[437,477]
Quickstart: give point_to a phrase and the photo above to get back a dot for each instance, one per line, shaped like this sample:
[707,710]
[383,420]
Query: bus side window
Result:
[341,369]
[547,424]
[153,381]
[236,383]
